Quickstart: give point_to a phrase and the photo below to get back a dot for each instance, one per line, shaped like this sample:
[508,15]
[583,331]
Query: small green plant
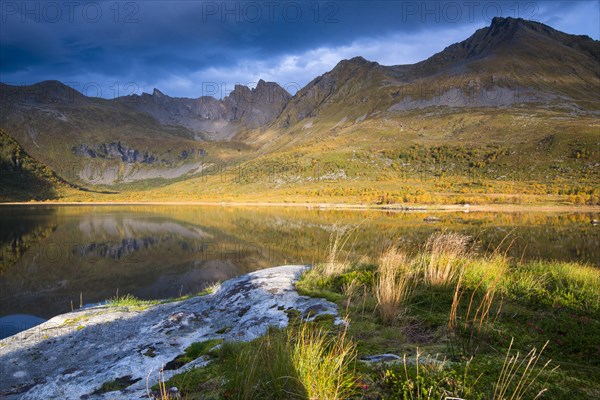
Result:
[430,378]
[116,384]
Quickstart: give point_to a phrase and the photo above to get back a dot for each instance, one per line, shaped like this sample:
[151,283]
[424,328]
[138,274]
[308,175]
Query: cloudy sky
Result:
[194,48]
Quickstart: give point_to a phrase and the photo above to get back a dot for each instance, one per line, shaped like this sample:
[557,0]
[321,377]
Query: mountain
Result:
[127,139]
[514,89]
[511,62]
[212,119]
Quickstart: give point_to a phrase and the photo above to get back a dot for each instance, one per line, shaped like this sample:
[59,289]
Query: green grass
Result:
[199,349]
[556,284]
[539,337]
[302,361]
[133,302]
[534,302]
[196,350]
[116,384]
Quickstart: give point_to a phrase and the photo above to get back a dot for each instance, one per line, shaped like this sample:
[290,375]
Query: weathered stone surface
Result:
[379,358]
[389,358]
[214,119]
[72,355]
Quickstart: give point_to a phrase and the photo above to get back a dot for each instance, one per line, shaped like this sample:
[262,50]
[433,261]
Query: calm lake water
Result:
[52,257]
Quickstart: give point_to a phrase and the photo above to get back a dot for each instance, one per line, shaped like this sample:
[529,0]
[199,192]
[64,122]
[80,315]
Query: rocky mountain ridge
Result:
[511,63]
[213,119]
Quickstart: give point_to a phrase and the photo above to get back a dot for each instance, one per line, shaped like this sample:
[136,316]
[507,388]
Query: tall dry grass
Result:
[163,392]
[393,284]
[518,375]
[443,258]
[336,263]
[478,310]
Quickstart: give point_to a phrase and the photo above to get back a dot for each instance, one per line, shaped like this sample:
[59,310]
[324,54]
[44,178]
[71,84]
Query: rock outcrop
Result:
[72,355]
[214,119]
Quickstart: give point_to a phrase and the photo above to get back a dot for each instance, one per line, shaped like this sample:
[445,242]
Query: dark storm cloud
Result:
[177,43]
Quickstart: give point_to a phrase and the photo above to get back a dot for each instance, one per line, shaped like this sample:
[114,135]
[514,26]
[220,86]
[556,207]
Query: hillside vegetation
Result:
[446,322]
[22,178]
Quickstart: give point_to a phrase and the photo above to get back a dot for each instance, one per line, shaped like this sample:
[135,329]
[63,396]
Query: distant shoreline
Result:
[331,206]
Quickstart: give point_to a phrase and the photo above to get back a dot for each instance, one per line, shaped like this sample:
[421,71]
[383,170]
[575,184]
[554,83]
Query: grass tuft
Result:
[335,265]
[518,375]
[393,284]
[131,301]
[297,363]
[443,258]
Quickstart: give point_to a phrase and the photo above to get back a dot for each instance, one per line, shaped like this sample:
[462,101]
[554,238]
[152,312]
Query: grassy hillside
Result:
[481,156]
[507,156]
[21,177]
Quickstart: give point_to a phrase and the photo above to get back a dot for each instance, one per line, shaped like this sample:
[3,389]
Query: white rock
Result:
[117,342]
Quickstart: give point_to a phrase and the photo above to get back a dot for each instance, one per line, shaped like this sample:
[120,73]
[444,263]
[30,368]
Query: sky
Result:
[195,48]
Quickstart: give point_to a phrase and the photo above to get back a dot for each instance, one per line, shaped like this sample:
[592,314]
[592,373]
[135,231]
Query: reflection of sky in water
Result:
[51,256]
[12,324]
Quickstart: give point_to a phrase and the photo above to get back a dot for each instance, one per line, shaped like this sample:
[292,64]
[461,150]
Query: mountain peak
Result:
[354,63]
[499,21]
[358,60]
[509,24]
[510,38]
[156,92]
[52,91]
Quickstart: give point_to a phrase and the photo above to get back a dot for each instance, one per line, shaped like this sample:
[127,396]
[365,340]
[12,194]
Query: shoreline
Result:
[507,208]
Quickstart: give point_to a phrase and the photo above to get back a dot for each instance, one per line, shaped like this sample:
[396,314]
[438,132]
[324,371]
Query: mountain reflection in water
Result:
[55,256]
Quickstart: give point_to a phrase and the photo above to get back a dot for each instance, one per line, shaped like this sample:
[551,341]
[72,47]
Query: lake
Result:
[54,258]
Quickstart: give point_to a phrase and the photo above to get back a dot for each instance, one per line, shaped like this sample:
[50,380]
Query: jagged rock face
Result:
[114,151]
[206,116]
[72,355]
[256,107]
[119,151]
[214,119]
